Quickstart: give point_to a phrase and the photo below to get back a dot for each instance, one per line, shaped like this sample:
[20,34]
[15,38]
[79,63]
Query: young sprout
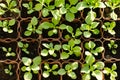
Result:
[113,4]
[92,68]
[69,70]
[30,65]
[24,47]
[111,71]
[9,5]
[8,70]
[50,49]
[33,27]
[7,24]
[70,49]
[112,46]
[109,26]
[48,70]
[92,48]
[8,51]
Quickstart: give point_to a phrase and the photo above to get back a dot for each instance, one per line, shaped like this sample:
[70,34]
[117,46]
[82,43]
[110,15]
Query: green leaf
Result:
[90,45]
[2,11]
[114,67]
[15,10]
[4,49]
[65,47]
[95,31]
[11,22]
[94,24]
[46,66]
[26,61]
[38,7]
[69,16]
[26,5]
[57,47]
[77,49]
[55,66]
[51,51]
[35,68]
[45,12]
[56,14]
[46,25]
[27,33]
[101,5]
[113,15]
[98,74]
[90,59]
[59,3]
[69,29]
[61,71]
[20,44]
[46,45]
[99,65]
[84,27]
[73,10]
[44,52]
[63,10]
[74,65]
[73,2]
[46,74]
[86,77]
[28,76]
[81,5]
[63,26]
[99,49]
[50,33]
[68,66]
[34,21]
[71,43]
[90,17]
[85,69]
[72,75]
[2,5]
[64,55]
[37,60]
[87,34]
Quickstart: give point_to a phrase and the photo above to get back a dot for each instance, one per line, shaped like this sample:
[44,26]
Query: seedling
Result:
[50,49]
[8,51]
[31,8]
[69,70]
[45,7]
[111,71]
[109,26]
[69,29]
[92,68]
[112,46]
[24,47]
[52,27]
[33,28]
[113,4]
[92,48]
[69,10]
[7,24]
[9,5]
[92,4]
[48,70]
[30,66]
[70,49]
[88,29]
[8,70]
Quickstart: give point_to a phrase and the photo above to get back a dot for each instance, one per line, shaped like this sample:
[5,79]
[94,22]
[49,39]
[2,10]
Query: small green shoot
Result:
[112,46]
[8,51]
